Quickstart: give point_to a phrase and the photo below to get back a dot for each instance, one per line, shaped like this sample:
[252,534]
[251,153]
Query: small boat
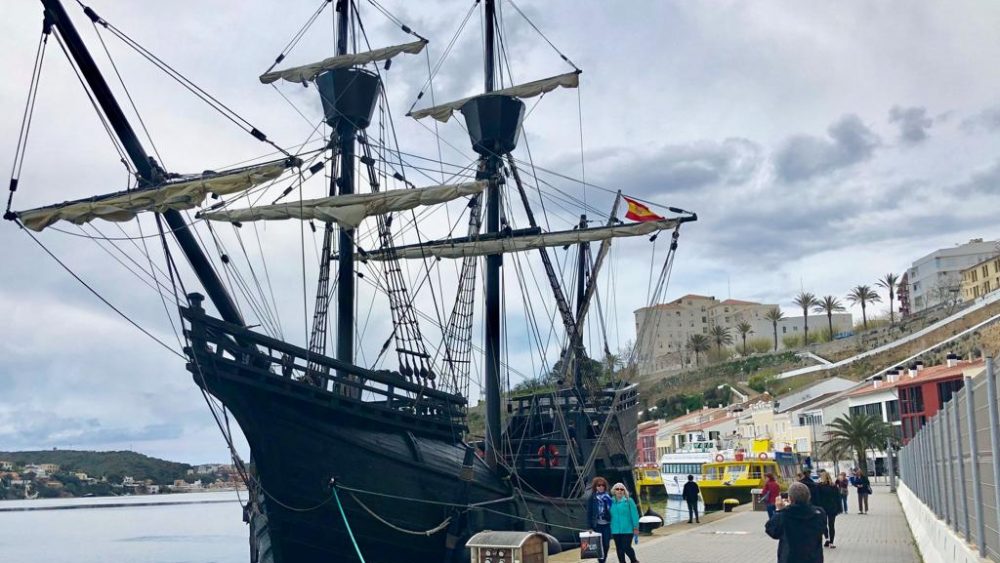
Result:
[648,483]
[735,478]
[675,467]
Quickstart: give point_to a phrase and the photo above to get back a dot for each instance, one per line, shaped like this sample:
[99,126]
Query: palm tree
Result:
[890,282]
[857,434]
[698,343]
[829,305]
[774,315]
[720,335]
[864,295]
[744,329]
[806,301]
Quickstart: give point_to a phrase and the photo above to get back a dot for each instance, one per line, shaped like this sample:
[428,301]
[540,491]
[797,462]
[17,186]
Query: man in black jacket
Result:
[690,494]
[798,527]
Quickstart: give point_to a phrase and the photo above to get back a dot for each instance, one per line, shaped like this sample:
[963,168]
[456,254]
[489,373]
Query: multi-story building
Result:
[937,277]
[980,279]
[663,331]
[903,295]
[646,443]
[923,392]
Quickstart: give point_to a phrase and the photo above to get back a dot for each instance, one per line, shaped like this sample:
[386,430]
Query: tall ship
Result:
[327,299]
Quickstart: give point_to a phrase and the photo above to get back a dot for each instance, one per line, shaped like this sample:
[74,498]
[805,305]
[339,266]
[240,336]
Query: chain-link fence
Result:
[953,467]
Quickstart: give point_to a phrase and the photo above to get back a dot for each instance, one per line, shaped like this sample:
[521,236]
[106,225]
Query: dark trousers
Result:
[843,501]
[623,547]
[831,527]
[771,509]
[692,509]
[862,503]
[605,531]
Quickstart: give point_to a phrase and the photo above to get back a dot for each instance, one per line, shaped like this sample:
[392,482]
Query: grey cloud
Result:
[913,123]
[674,169]
[849,142]
[29,429]
[987,120]
[983,181]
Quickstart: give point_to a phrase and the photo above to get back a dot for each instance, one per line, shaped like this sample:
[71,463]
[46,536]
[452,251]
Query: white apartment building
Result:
[937,277]
[663,331]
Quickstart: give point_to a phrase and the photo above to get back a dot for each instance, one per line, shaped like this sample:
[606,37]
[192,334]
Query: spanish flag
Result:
[639,212]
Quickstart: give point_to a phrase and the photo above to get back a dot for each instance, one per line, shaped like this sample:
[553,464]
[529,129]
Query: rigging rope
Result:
[29,112]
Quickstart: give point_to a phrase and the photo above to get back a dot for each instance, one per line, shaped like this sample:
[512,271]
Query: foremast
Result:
[149,172]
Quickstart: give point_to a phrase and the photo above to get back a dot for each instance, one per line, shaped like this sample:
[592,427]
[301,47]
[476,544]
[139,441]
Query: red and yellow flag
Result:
[639,212]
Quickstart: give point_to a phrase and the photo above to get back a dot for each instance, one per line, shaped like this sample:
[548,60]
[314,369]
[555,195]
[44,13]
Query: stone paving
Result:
[882,536]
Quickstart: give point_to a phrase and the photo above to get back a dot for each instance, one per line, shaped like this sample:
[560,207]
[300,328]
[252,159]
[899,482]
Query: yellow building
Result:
[981,279]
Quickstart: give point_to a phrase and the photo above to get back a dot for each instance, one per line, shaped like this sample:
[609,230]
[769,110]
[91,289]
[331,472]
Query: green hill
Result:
[113,465]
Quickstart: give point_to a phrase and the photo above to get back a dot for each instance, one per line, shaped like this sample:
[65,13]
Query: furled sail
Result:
[445,249]
[307,72]
[349,210]
[180,194]
[444,112]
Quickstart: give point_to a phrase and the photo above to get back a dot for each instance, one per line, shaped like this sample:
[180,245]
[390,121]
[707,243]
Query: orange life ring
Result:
[553,456]
[762,456]
[720,458]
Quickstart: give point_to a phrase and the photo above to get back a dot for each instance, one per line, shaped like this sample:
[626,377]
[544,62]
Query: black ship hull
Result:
[410,490]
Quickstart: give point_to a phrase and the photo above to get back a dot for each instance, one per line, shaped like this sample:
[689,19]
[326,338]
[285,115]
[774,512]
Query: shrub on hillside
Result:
[759,345]
[791,341]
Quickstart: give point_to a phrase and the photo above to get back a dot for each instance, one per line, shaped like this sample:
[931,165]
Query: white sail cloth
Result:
[350,210]
[444,112]
[307,72]
[521,243]
[180,195]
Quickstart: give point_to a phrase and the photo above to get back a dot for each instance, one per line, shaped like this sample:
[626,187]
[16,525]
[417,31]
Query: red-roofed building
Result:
[923,392]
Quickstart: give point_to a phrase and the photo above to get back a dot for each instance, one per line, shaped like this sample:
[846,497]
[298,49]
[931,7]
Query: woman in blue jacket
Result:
[624,523]
[599,512]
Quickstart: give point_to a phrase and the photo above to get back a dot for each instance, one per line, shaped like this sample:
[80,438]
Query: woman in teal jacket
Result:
[624,523]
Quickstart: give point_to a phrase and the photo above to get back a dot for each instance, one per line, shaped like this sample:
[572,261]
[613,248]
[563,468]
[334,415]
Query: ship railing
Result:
[601,402]
[218,340]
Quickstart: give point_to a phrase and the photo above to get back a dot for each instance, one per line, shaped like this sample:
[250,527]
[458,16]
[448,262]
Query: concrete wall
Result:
[936,541]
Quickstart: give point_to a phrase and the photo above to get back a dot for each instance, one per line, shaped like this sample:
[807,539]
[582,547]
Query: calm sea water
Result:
[188,528]
[166,532]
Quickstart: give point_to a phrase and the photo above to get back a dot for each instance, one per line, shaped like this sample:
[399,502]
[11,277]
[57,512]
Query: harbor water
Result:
[181,528]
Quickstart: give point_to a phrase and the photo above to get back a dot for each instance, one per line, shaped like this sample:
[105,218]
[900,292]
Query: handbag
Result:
[591,546]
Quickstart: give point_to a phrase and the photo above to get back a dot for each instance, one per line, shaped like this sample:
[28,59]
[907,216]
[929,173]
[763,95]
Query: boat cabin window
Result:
[712,473]
[736,472]
[681,468]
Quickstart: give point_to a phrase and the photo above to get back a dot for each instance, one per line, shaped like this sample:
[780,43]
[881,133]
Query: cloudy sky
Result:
[821,144]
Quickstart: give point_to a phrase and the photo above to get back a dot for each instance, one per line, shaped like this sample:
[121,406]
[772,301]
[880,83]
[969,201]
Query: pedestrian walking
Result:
[599,513]
[690,494]
[864,487]
[845,486]
[771,493]
[798,527]
[829,499]
[808,482]
[624,523]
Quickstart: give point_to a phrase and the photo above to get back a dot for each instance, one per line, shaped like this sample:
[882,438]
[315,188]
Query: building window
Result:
[892,409]
[946,389]
[872,409]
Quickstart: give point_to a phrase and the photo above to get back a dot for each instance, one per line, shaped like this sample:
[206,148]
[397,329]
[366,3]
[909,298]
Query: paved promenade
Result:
[881,536]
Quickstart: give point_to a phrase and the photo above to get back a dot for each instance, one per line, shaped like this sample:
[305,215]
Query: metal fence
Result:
[953,467]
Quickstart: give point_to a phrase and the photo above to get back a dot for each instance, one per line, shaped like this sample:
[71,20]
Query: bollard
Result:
[977,484]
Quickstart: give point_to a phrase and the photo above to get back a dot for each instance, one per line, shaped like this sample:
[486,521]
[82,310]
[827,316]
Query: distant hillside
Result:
[113,465]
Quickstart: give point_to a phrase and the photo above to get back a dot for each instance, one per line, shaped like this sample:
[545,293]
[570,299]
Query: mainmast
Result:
[490,164]
[149,171]
[346,131]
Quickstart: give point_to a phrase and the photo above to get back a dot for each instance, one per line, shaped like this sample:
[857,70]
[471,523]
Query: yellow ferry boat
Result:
[736,478]
[648,484]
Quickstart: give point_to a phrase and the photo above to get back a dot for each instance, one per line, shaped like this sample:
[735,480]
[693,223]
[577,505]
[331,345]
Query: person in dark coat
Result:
[829,500]
[599,512]
[798,527]
[809,483]
[690,494]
